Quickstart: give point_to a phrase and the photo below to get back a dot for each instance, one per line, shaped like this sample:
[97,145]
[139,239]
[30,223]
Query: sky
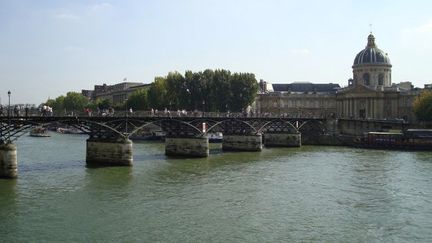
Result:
[51,47]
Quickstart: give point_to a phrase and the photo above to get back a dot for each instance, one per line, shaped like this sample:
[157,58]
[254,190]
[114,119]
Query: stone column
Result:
[109,153]
[242,142]
[282,139]
[8,161]
[189,147]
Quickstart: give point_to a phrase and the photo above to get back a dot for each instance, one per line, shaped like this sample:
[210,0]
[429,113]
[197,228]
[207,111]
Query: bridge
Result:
[109,142]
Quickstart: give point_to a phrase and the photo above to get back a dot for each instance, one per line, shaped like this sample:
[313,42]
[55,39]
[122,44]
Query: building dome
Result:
[371,55]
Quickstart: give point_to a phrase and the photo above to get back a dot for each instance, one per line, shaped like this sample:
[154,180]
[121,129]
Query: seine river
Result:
[308,194]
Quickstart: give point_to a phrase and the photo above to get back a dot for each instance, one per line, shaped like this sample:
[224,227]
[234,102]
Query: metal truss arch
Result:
[279,125]
[234,126]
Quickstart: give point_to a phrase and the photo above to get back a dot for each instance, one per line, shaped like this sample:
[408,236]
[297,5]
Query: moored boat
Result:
[411,139]
[216,137]
[69,130]
[39,132]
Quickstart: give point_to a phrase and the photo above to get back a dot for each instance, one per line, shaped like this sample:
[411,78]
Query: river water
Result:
[312,193]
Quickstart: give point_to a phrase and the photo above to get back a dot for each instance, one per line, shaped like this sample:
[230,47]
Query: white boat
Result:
[216,137]
[39,132]
[69,130]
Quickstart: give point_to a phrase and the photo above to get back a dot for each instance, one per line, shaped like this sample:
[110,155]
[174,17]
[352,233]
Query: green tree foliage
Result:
[75,101]
[56,104]
[157,94]
[103,104]
[174,84]
[138,100]
[210,90]
[423,106]
[244,88]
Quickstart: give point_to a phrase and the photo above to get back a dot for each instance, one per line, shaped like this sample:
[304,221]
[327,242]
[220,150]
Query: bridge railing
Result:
[167,113]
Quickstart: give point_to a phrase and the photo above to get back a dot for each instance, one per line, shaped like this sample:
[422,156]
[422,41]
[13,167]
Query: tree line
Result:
[208,90]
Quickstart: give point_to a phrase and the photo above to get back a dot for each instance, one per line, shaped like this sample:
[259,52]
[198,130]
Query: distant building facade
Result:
[370,94]
[117,93]
[299,99]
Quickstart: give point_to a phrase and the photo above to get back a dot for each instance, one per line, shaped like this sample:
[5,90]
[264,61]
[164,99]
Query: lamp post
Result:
[203,107]
[9,94]
[9,116]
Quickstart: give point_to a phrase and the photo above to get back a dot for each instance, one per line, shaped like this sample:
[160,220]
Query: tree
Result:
[138,100]
[75,101]
[56,104]
[220,89]
[174,84]
[157,94]
[103,104]
[422,106]
[209,90]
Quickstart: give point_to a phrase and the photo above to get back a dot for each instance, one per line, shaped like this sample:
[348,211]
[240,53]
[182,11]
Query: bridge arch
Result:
[279,125]
[234,126]
[172,127]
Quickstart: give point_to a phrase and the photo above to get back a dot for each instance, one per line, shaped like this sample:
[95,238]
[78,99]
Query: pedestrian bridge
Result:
[109,140]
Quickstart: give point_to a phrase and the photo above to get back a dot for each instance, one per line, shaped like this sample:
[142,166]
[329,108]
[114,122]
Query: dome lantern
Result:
[371,41]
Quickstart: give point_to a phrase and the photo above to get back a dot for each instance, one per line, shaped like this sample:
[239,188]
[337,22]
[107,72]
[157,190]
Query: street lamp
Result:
[9,94]
[9,119]
[203,107]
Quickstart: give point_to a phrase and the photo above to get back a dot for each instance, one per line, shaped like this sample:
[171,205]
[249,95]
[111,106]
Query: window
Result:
[381,79]
[366,79]
[362,113]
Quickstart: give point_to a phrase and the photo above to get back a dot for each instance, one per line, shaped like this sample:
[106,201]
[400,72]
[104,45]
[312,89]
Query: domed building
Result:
[372,67]
[370,93]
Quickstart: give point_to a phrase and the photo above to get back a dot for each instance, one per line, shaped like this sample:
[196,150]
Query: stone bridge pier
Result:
[242,142]
[239,135]
[8,161]
[280,133]
[282,139]
[185,139]
[187,146]
[109,153]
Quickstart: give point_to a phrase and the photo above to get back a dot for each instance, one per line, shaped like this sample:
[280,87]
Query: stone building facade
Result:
[370,94]
[300,99]
[117,93]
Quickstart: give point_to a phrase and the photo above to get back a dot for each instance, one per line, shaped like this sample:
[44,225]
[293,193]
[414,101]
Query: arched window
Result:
[381,79]
[366,79]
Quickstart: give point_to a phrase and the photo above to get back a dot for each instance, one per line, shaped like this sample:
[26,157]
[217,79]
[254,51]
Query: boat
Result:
[216,137]
[39,132]
[411,139]
[69,130]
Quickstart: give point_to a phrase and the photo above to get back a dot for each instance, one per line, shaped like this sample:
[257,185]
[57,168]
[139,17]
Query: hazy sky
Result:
[50,47]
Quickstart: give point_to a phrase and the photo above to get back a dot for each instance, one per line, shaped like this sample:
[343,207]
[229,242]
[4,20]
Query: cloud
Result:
[303,51]
[101,6]
[81,13]
[66,16]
